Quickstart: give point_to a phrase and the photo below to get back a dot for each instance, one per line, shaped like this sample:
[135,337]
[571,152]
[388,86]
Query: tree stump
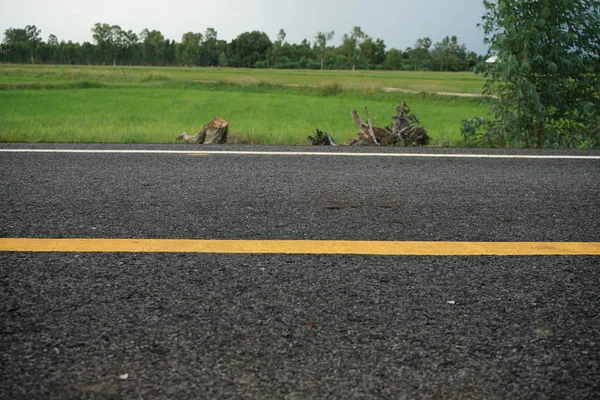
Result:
[215,132]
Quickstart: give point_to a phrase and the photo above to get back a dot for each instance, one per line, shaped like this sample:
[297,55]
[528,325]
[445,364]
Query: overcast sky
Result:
[398,22]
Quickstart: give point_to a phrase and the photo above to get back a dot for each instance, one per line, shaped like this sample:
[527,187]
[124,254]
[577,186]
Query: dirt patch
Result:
[390,89]
[384,89]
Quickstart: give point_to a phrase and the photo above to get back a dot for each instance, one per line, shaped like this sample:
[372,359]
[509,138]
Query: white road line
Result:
[301,153]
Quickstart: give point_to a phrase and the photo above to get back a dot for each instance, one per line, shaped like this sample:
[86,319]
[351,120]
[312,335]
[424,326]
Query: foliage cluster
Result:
[546,75]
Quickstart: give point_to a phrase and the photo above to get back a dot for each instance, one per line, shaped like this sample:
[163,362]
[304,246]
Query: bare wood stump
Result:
[215,132]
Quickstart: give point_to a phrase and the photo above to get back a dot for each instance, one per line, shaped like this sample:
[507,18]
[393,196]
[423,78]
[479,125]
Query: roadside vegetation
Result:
[154,105]
[546,76]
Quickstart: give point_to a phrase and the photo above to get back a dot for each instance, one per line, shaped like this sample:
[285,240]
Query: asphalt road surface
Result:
[185,325]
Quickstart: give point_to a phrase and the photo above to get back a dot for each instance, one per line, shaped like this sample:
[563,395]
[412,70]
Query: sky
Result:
[398,22]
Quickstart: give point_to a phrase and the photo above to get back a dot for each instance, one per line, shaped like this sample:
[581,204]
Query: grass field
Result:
[154,105]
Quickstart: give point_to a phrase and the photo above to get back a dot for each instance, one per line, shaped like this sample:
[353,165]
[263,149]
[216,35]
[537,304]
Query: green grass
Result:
[142,105]
[460,82]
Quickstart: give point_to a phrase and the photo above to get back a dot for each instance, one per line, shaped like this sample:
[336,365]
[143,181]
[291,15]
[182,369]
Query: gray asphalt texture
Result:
[293,326]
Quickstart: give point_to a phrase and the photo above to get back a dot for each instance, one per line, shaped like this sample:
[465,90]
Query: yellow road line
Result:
[393,248]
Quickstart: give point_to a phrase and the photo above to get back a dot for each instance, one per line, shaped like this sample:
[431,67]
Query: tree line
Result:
[112,45]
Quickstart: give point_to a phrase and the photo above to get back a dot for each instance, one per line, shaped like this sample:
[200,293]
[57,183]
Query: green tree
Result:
[470,61]
[302,53]
[321,45]
[153,47]
[252,47]
[33,38]
[419,56]
[170,52]
[23,41]
[210,48]
[233,58]
[353,45]
[448,55]
[129,41]
[394,60]
[15,35]
[223,61]
[103,36]
[119,42]
[71,52]
[53,40]
[275,52]
[378,53]
[190,42]
[44,54]
[87,53]
[547,73]
[191,54]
